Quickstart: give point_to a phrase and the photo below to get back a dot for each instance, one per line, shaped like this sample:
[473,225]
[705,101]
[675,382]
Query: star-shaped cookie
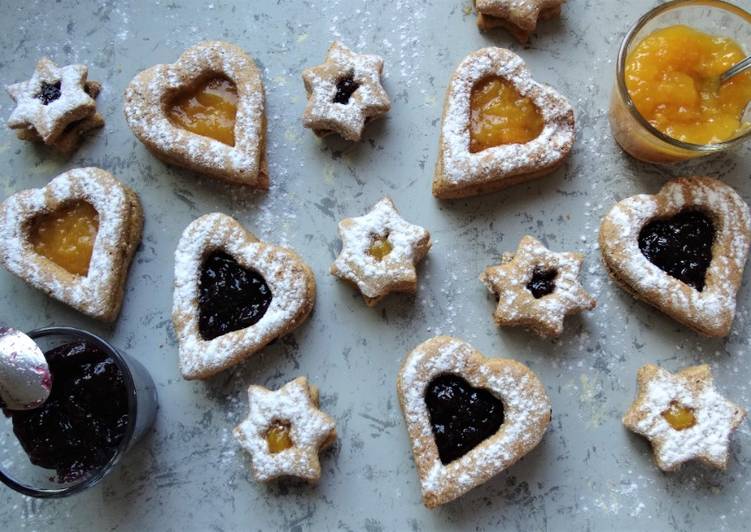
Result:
[380,251]
[285,431]
[537,288]
[51,101]
[683,416]
[519,17]
[344,93]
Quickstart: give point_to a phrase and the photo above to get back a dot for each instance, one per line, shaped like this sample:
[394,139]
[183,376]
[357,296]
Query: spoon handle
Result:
[736,69]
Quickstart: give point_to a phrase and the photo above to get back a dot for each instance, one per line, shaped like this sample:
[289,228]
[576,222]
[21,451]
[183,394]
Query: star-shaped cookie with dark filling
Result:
[683,416]
[55,105]
[285,430]
[344,93]
[537,288]
[380,251]
[519,17]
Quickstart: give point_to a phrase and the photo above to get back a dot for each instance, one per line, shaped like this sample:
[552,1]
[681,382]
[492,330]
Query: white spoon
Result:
[25,379]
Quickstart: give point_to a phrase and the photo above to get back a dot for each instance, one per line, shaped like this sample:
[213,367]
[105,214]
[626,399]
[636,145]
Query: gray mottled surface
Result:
[588,473]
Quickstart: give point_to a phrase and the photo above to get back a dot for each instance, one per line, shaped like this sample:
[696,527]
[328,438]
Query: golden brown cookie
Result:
[463,169]
[74,239]
[681,250]
[285,430]
[469,417]
[519,17]
[205,112]
[537,288]
[379,252]
[233,295]
[683,416]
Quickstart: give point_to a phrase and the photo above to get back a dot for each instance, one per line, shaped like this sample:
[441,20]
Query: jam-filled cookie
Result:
[233,294]
[537,288]
[469,417]
[379,252]
[285,430]
[683,416]
[56,106]
[500,127]
[519,17]
[74,239]
[344,93]
[205,112]
[681,250]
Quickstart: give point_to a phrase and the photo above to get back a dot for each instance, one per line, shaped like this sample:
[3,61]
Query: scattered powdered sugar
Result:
[712,309]
[323,114]
[526,414]
[375,277]
[553,144]
[291,284]
[310,430]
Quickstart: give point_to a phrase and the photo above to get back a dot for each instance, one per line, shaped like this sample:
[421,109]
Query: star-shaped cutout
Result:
[308,430]
[51,100]
[519,17]
[537,288]
[683,416]
[380,251]
[344,93]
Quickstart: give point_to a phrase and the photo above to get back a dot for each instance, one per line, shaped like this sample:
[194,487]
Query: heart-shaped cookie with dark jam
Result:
[233,294]
[469,417]
[205,112]
[681,250]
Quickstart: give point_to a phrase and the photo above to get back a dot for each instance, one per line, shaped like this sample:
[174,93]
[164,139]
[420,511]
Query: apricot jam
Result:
[672,77]
[278,437]
[679,417]
[379,248]
[499,114]
[66,237]
[208,111]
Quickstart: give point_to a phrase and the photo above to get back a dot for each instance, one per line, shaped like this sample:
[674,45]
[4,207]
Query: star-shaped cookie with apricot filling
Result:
[380,251]
[537,288]
[683,416]
[344,93]
[285,430]
[519,17]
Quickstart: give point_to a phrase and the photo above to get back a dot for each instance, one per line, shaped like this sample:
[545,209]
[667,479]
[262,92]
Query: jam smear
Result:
[231,297]
[461,416]
[345,88]
[278,437]
[80,426]
[49,92]
[680,246]
[542,282]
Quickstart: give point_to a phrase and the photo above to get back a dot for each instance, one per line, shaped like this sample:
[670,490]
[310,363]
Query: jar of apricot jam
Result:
[101,403]
[667,104]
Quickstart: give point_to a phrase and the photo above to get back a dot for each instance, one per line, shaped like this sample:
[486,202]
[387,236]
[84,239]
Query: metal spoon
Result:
[25,380]
[736,69]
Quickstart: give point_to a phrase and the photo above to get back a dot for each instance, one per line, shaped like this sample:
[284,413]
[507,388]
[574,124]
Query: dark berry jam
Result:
[345,88]
[542,282]
[49,92]
[231,297]
[680,246]
[461,416]
[80,426]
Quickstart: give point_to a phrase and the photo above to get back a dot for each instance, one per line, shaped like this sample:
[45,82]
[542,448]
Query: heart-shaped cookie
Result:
[534,149]
[233,294]
[681,250]
[93,282]
[152,93]
[469,417]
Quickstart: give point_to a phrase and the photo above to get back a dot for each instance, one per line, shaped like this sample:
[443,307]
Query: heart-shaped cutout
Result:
[681,250]
[481,151]
[271,292]
[429,380]
[39,227]
[181,112]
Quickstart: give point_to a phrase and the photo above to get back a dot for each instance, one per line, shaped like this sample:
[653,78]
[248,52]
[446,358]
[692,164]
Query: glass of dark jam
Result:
[102,402]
